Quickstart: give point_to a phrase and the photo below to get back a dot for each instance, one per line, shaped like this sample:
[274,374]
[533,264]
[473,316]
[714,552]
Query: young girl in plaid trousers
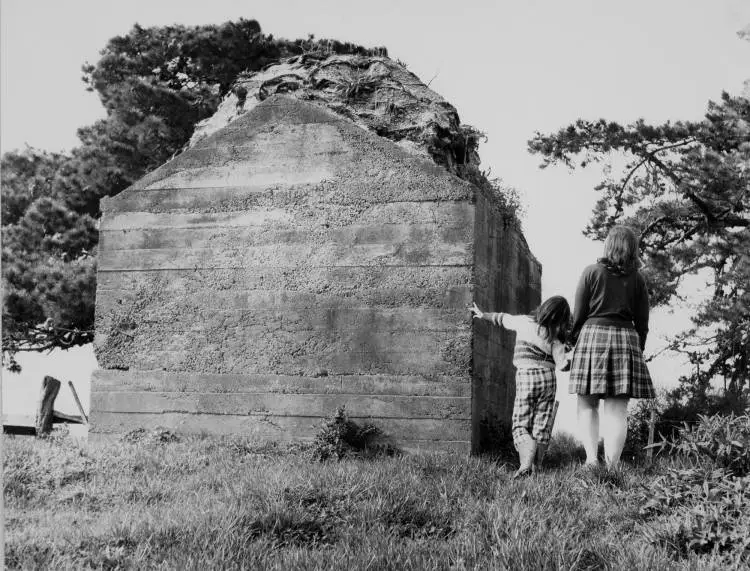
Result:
[540,347]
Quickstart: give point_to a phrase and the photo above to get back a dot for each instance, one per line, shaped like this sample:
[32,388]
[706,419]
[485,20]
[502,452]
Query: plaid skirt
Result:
[607,361]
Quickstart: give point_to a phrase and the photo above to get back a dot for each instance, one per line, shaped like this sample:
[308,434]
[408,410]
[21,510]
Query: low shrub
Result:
[155,436]
[703,501]
[341,437]
[704,510]
[639,419]
[675,409]
[668,421]
[506,199]
[721,441]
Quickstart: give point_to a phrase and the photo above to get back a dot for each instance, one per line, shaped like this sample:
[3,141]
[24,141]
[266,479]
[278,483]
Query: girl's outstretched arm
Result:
[494,318]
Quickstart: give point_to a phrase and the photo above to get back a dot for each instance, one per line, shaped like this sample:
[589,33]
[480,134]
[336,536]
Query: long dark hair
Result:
[621,250]
[553,318]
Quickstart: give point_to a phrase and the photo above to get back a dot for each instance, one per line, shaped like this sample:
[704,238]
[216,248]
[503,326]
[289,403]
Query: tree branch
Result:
[650,226]
[699,202]
[674,145]
[631,173]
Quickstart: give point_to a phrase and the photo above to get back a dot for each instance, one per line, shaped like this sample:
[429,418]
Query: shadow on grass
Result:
[564,450]
[603,476]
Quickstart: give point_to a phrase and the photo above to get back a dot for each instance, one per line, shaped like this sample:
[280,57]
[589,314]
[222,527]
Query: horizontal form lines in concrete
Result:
[274,404]
[305,216]
[426,233]
[156,379]
[289,264]
[432,434]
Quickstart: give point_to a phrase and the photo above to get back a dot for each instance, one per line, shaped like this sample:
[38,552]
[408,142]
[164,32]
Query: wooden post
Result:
[78,402]
[45,412]
[651,426]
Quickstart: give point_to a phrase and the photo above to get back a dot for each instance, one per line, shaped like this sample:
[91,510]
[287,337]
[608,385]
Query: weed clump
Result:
[719,441]
[702,511]
[155,436]
[506,199]
[340,437]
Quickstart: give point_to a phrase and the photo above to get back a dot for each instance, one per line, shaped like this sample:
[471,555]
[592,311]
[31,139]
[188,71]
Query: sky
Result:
[510,68]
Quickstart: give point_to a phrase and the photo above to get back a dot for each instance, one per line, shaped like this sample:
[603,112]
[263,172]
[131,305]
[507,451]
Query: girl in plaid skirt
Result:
[610,324]
[540,346]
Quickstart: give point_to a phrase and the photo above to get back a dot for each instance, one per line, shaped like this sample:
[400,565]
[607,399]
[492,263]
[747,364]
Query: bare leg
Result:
[588,421]
[615,419]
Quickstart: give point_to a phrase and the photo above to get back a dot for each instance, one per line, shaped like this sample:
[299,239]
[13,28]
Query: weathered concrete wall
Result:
[286,265]
[508,278]
[292,263]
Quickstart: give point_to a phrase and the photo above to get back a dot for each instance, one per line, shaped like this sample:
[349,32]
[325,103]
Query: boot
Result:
[526,452]
[540,450]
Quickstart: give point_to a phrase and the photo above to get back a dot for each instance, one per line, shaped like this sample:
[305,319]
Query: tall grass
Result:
[203,503]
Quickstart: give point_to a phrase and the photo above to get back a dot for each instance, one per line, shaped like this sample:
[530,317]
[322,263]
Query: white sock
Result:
[615,421]
[588,421]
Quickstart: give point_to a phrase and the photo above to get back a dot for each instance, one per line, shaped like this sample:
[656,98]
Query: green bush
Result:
[705,510]
[719,441]
[675,410]
[666,427]
[704,500]
[341,437]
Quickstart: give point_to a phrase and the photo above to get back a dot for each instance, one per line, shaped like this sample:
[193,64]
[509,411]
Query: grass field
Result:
[203,503]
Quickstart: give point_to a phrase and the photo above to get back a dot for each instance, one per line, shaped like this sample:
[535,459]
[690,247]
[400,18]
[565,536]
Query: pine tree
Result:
[155,85]
[686,187]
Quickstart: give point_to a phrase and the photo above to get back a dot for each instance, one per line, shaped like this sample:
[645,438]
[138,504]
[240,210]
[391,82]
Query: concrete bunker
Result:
[292,262]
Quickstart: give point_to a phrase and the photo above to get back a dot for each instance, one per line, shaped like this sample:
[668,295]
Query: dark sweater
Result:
[607,297]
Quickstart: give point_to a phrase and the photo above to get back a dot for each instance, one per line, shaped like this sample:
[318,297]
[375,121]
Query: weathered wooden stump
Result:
[45,412]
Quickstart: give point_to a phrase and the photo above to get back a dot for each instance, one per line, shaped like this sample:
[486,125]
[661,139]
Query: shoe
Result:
[521,473]
[526,452]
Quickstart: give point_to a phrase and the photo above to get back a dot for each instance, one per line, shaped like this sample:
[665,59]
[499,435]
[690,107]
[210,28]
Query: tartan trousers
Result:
[534,403]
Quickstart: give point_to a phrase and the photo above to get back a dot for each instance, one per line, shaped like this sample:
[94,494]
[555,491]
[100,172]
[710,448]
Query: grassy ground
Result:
[229,504]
